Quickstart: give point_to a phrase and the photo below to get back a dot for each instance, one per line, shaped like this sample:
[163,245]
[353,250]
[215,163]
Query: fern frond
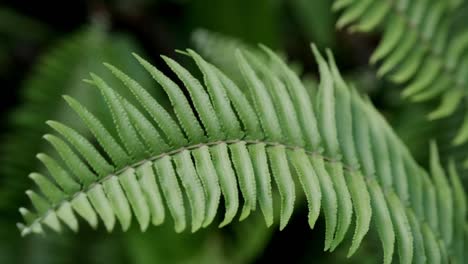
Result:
[419,49]
[218,140]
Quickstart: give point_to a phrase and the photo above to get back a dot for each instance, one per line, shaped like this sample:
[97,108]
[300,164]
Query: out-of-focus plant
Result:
[58,72]
[315,20]
[423,48]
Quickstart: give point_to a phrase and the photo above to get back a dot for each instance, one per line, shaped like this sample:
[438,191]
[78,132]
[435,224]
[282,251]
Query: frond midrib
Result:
[174,152]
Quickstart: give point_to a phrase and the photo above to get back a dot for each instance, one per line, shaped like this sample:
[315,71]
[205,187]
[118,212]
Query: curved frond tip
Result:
[243,145]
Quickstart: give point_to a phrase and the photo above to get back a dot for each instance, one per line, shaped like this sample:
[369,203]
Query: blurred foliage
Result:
[59,71]
[315,20]
[259,23]
[212,245]
[19,36]
[46,51]
[14,26]
[220,50]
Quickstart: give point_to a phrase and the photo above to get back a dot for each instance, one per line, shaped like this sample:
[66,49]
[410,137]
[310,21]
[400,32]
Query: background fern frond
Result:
[369,174]
[421,48]
[58,72]
[220,49]
[17,26]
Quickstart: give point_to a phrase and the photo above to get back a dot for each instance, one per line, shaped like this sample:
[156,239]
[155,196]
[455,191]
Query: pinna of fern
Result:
[223,142]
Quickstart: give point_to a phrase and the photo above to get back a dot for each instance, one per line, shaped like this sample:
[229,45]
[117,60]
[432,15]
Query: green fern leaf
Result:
[278,132]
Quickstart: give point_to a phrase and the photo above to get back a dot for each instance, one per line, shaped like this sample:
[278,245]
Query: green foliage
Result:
[252,142]
[420,48]
[316,20]
[16,26]
[220,50]
[246,139]
[259,21]
[15,30]
[57,72]
[209,245]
